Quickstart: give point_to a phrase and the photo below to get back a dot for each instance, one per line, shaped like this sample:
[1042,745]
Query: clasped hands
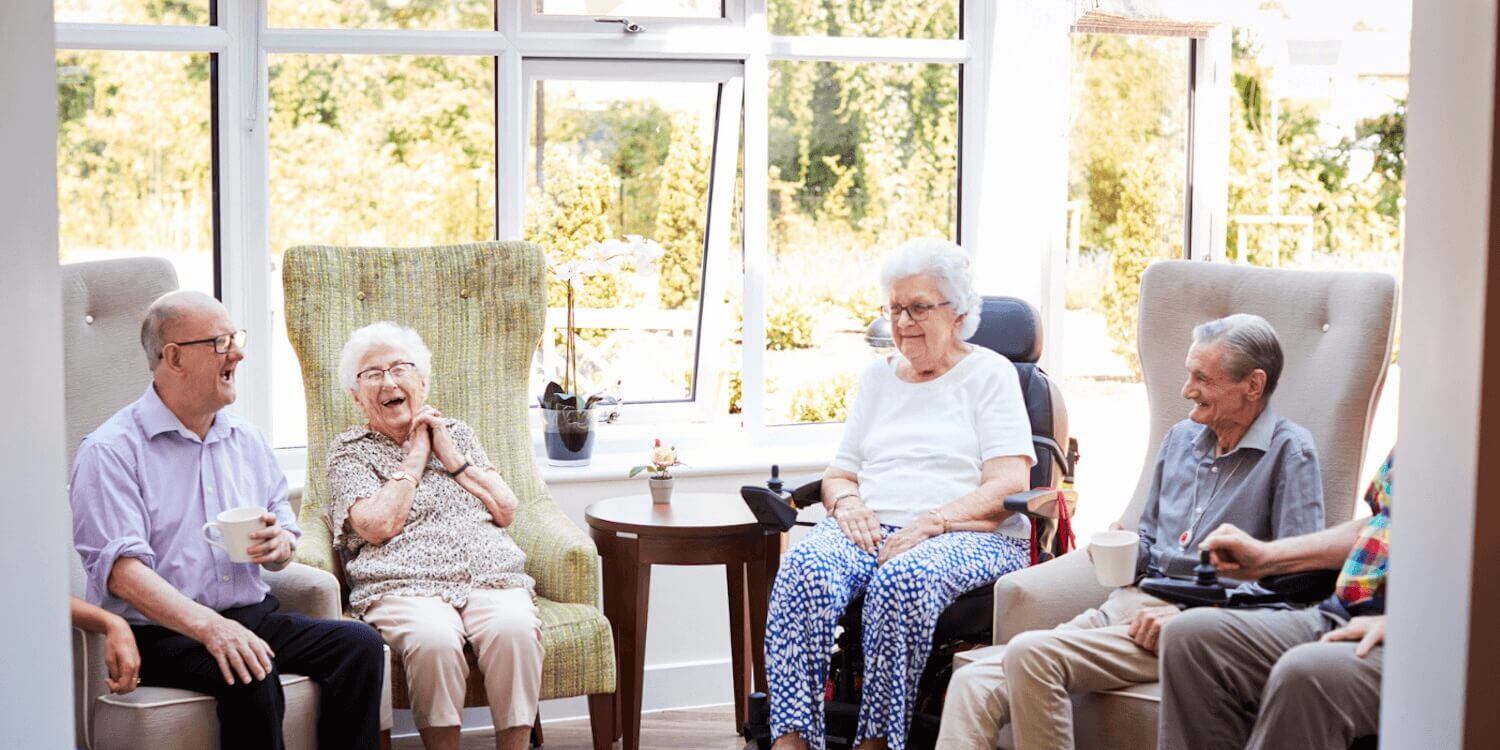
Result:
[862,526]
[429,435]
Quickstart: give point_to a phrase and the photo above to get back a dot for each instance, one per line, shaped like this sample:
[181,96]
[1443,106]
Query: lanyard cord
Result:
[1187,536]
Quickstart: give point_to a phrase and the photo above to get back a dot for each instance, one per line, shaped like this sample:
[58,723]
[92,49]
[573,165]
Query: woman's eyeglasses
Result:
[917,311]
[376,375]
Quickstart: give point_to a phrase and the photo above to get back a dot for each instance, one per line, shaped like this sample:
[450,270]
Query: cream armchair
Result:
[103,303]
[1336,331]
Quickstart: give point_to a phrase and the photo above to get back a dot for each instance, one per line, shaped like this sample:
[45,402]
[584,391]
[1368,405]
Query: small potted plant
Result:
[663,458]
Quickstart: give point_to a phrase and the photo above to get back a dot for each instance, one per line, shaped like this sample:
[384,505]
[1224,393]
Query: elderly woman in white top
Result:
[937,437]
[419,515]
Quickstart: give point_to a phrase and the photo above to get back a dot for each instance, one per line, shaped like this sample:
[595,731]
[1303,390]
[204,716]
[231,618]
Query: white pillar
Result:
[36,705]
[1449,149]
[1015,161]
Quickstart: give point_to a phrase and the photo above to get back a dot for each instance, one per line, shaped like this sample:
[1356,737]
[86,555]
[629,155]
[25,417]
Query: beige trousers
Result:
[429,633]
[1026,683]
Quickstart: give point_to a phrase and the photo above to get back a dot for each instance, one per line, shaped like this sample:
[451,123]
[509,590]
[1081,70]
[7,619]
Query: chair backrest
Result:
[479,307]
[1013,328]
[1335,329]
[103,365]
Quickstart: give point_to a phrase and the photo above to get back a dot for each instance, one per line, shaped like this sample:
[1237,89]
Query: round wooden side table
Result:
[633,534]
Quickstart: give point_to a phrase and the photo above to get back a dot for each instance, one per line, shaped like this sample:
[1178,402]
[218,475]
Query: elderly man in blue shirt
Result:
[145,483]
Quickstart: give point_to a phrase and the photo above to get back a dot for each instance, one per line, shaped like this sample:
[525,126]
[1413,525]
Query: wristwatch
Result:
[468,462]
[401,475]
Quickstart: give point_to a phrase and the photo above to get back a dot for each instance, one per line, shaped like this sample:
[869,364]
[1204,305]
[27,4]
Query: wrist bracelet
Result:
[837,498]
[460,469]
[941,519]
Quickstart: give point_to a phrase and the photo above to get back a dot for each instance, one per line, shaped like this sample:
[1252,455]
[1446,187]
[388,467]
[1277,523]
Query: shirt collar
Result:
[1257,437]
[155,418]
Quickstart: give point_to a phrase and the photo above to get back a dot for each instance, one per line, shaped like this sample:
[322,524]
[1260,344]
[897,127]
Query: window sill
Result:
[706,450]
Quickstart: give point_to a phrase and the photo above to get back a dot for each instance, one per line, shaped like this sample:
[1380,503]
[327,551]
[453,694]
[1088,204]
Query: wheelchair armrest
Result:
[807,493]
[1041,503]
[1307,587]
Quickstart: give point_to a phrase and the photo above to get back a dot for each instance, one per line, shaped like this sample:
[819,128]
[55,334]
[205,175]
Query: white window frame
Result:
[713,321]
[242,42]
[731,18]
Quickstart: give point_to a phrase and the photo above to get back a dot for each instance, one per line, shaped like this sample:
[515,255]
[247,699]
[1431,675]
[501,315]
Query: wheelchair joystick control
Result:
[774,483]
[1204,571]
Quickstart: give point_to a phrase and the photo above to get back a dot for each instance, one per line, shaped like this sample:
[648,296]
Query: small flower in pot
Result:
[663,458]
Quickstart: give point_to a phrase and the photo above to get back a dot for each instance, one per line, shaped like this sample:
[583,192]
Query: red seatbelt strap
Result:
[1065,540]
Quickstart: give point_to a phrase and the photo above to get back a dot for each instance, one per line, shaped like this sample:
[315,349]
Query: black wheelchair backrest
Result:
[1013,328]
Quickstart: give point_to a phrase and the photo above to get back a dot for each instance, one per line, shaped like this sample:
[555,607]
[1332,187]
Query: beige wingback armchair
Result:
[1336,331]
[103,304]
[480,308]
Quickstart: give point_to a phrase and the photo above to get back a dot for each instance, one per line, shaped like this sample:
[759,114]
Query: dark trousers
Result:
[345,658]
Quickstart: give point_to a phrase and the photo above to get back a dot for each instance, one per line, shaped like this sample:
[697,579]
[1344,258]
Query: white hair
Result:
[947,263]
[377,334]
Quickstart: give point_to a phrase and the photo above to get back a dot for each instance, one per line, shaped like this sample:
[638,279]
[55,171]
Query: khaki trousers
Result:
[1260,679]
[1026,683]
[429,633]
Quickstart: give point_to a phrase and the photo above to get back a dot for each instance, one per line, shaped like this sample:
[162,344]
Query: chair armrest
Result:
[89,675]
[306,590]
[1045,596]
[807,493]
[1041,503]
[559,556]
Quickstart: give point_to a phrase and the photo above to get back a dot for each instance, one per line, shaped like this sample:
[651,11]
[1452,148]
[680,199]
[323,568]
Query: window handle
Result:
[626,25]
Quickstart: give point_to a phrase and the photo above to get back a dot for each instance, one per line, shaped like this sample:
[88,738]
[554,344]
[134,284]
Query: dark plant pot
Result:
[569,436]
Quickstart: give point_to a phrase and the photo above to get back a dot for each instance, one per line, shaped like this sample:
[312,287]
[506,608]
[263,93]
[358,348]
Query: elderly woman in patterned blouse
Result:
[419,515]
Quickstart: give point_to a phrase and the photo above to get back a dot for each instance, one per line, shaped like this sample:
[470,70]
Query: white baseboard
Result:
[665,687]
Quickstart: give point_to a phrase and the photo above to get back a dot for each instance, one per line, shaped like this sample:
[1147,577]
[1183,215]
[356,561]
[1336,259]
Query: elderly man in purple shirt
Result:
[146,482]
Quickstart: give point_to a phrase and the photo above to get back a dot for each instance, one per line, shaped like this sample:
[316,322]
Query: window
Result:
[1127,182]
[188,12]
[134,159]
[382,14]
[912,19]
[863,156]
[632,8]
[219,134]
[371,150]
[612,156]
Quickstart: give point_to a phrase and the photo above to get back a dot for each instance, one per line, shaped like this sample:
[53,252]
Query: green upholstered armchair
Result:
[480,308]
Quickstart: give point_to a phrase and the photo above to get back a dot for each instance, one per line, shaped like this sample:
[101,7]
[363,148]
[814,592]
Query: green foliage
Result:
[789,326]
[736,391]
[1138,242]
[827,401]
[681,220]
[1385,137]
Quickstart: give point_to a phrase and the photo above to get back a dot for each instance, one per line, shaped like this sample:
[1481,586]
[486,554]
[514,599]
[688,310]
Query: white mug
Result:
[1114,554]
[234,526]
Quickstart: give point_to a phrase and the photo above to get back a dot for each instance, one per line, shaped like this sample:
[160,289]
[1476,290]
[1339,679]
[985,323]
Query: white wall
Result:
[1449,143]
[36,707]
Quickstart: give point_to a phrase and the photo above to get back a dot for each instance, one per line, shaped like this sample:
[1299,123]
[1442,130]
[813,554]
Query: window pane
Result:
[864,156]
[640,8]
[382,14]
[1317,158]
[907,19]
[368,150]
[132,11]
[1126,188]
[134,159]
[610,159]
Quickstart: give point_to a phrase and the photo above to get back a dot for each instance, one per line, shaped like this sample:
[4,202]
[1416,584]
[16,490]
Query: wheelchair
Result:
[1012,328]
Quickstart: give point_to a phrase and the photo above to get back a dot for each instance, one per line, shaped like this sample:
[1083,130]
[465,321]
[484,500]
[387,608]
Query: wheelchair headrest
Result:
[1011,327]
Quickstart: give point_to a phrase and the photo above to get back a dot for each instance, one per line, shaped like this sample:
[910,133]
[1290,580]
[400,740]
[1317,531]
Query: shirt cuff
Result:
[104,564]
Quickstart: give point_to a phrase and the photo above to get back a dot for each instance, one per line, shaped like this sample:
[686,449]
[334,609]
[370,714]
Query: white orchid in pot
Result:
[568,414]
[663,458]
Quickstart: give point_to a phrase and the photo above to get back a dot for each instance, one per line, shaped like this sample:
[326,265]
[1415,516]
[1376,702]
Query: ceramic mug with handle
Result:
[234,527]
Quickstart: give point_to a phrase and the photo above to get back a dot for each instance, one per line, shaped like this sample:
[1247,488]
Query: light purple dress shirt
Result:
[143,486]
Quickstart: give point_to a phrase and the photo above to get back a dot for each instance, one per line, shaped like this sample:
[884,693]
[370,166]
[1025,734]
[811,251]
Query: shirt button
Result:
[1214,470]
[224,578]
[211,490]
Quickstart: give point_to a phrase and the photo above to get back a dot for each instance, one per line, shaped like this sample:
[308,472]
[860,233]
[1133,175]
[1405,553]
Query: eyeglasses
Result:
[917,311]
[221,343]
[376,375]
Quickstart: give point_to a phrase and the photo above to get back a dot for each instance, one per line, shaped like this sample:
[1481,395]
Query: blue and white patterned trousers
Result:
[903,600]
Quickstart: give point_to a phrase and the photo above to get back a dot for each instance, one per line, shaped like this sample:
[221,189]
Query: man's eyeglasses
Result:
[221,342]
[376,375]
[918,311]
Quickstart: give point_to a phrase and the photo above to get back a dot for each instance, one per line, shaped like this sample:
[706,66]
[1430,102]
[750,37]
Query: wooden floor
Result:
[698,729]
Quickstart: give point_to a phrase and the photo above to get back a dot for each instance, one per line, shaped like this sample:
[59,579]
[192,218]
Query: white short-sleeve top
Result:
[916,446]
